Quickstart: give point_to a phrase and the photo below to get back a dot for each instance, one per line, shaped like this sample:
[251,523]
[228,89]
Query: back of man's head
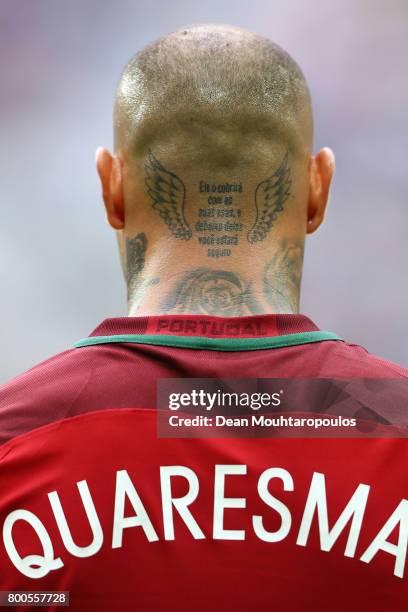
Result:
[213,135]
[215,97]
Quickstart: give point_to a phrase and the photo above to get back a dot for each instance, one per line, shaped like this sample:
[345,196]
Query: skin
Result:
[168,269]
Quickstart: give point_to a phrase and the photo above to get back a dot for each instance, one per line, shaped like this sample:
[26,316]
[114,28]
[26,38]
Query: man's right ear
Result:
[109,168]
[321,171]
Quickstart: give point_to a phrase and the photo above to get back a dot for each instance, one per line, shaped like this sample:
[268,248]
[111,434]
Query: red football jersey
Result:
[95,503]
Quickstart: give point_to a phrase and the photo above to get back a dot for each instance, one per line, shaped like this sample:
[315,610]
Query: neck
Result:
[235,287]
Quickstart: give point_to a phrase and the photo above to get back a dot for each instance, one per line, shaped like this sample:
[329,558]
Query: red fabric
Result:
[110,390]
[213,327]
[105,376]
[191,574]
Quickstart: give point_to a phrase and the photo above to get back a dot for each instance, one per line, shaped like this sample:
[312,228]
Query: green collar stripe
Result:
[213,344]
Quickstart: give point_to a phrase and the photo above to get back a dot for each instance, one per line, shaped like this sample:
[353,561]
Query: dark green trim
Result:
[213,344]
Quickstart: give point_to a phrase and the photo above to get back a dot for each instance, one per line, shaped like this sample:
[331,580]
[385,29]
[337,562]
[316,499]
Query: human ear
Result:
[109,169]
[321,171]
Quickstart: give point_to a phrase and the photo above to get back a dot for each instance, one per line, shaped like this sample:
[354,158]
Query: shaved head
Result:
[215,94]
[213,185]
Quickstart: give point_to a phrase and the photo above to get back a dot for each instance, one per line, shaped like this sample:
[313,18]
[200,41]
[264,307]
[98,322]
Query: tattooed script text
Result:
[218,225]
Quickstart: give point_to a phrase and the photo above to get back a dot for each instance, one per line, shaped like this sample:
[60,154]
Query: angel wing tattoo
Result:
[270,195]
[167,191]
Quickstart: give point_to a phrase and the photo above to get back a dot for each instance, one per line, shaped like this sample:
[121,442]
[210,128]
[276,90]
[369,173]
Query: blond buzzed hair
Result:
[216,94]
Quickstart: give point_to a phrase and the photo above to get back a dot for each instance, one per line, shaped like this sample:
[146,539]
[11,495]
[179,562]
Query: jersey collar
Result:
[208,332]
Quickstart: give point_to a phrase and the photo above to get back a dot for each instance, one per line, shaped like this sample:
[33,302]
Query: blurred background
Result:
[60,61]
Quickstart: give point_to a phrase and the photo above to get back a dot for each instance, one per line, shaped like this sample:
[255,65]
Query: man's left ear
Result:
[109,168]
[321,171]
